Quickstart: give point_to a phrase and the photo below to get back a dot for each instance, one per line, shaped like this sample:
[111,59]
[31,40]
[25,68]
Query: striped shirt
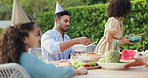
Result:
[50,45]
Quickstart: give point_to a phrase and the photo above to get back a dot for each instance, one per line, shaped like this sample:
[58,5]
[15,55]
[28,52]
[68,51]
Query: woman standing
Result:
[113,28]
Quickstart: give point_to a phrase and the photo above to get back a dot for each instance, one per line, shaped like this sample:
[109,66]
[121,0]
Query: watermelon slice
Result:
[127,54]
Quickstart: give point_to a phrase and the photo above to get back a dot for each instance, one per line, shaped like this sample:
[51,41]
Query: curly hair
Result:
[11,42]
[118,8]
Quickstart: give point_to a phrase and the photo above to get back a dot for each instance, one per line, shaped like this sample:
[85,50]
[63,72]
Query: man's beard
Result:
[62,29]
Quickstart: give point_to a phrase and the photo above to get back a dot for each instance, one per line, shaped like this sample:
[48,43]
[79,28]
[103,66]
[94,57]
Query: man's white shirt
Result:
[50,45]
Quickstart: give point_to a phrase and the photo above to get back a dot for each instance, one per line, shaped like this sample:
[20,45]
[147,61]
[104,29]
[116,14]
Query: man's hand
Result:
[67,44]
[84,40]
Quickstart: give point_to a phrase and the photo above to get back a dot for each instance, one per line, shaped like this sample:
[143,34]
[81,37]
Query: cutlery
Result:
[91,44]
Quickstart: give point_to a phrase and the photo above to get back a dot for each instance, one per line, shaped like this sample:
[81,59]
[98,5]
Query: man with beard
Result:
[55,44]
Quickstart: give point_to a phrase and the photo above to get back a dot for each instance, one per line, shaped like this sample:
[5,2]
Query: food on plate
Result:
[111,59]
[103,60]
[126,55]
[113,56]
[114,60]
[77,63]
[91,54]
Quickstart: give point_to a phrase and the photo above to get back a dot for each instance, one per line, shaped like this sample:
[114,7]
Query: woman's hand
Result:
[137,62]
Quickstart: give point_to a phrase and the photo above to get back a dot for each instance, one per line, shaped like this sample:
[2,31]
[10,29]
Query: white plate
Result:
[113,66]
[95,57]
[93,67]
[82,58]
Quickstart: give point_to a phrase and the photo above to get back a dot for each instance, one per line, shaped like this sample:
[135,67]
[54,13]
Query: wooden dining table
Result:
[133,72]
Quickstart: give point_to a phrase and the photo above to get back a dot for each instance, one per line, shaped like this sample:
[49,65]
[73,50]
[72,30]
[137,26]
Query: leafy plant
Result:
[89,21]
[1,30]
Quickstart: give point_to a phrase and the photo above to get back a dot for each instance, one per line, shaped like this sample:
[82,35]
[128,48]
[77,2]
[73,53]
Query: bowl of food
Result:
[112,66]
[79,47]
[135,39]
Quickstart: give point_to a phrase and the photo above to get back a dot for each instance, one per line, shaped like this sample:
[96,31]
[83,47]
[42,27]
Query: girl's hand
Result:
[125,40]
[109,37]
[81,71]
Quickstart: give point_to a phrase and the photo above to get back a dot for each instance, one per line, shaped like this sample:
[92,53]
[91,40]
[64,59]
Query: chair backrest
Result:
[36,51]
[13,70]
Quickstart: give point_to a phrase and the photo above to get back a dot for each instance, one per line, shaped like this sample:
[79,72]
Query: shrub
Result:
[1,30]
[89,21]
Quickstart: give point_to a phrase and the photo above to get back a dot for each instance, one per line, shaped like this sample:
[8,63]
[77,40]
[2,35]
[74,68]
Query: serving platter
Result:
[93,67]
[112,66]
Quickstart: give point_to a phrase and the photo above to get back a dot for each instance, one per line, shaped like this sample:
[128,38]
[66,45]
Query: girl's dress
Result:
[113,26]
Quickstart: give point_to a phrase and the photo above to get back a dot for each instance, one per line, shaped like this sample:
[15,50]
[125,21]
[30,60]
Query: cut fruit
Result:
[126,55]
[102,60]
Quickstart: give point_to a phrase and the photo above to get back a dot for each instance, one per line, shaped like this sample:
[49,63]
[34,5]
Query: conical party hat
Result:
[58,8]
[18,14]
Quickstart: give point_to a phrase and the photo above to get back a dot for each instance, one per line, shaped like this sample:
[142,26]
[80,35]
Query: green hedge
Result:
[89,21]
[1,30]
